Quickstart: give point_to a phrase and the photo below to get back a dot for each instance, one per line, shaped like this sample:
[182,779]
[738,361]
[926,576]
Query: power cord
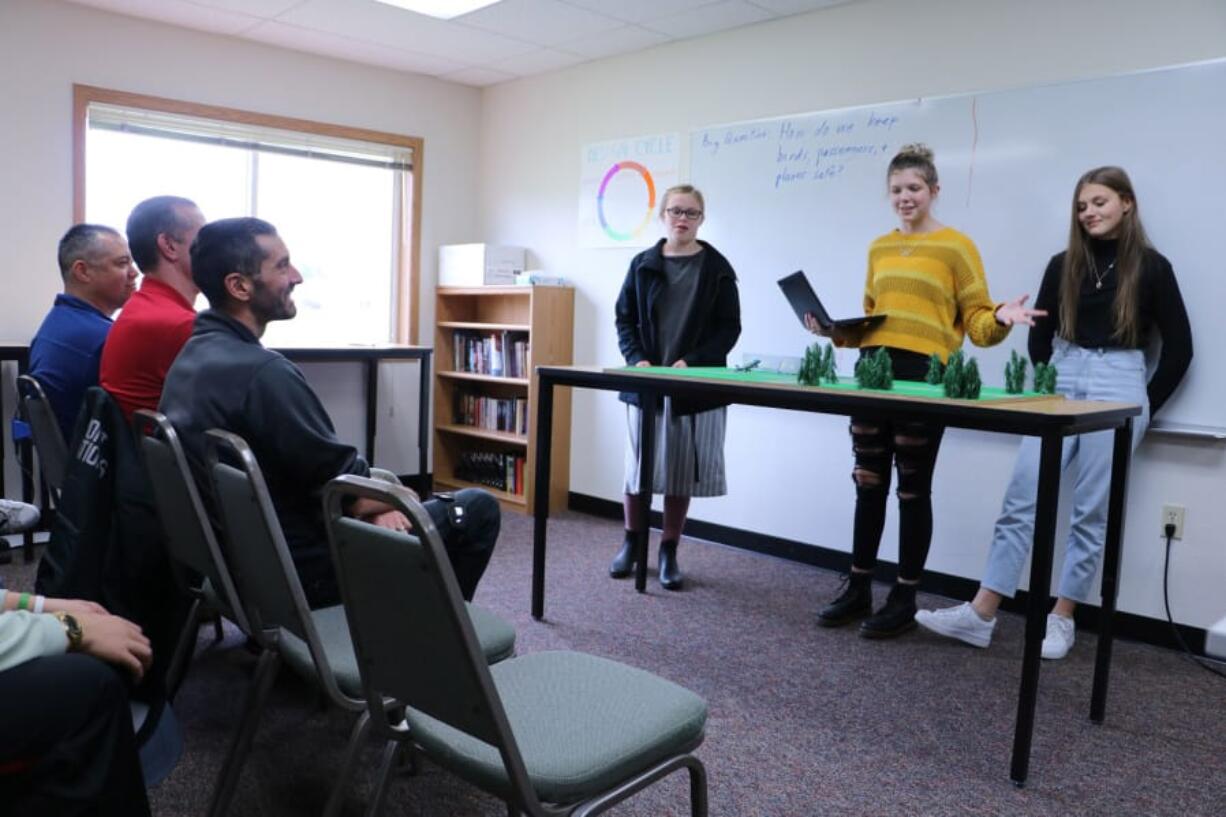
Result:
[1169,530]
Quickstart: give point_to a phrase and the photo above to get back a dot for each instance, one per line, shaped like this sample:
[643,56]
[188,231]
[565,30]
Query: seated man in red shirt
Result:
[157,320]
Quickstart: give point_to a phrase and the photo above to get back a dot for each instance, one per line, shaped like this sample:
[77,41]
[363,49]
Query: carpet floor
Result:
[803,720]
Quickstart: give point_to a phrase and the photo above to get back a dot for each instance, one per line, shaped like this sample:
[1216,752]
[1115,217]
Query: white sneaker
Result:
[961,622]
[1059,639]
[16,517]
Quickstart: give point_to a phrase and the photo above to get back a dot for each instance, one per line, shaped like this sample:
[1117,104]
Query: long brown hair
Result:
[1130,249]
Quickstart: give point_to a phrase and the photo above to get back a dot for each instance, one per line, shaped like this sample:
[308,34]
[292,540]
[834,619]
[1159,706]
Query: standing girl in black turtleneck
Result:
[1107,294]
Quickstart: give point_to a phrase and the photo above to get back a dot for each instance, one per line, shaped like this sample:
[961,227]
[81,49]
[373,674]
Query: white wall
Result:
[46,46]
[877,50]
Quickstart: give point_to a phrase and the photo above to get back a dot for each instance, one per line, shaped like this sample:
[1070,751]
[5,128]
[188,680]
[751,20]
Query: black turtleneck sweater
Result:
[1160,304]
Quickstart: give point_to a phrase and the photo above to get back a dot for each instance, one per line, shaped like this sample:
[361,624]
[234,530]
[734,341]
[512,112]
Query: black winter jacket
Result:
[711,328]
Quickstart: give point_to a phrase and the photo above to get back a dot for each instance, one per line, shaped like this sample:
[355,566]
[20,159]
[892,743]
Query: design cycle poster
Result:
[620,185]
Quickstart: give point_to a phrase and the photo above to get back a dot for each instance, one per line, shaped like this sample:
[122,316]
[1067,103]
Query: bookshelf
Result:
[487,341]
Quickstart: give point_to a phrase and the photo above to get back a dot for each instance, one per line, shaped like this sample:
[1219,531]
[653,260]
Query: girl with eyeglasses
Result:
[678,307]
[1108,292]
[928,280]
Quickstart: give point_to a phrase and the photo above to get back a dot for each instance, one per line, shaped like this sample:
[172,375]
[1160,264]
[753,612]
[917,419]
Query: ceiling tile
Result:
[478,76]
[619,41]
[178,12]
[636,11]
[544,22]
[255,8]
[333,45]
[538,62]
[788,7]
[715,17]
[379,23]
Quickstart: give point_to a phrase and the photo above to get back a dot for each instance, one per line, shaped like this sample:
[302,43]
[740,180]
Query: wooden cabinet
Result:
[487,343]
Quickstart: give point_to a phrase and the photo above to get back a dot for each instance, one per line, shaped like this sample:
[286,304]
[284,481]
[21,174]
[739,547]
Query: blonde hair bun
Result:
[917,149]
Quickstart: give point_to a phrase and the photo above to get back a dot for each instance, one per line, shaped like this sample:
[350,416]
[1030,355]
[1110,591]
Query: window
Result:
[343,200]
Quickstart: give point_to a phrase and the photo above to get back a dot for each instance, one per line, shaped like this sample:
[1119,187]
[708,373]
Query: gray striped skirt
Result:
[689,452]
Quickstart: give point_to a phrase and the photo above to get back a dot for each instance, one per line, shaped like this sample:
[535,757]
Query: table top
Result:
[1021,414]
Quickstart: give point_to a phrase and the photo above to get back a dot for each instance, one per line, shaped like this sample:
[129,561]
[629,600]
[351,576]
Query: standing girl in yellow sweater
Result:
[927,279]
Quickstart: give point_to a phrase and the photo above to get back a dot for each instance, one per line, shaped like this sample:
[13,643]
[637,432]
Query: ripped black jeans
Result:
[910,447]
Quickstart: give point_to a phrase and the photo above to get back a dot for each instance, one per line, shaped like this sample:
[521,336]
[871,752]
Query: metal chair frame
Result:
[485,718]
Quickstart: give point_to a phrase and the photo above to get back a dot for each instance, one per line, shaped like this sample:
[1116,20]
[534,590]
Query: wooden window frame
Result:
[408,231]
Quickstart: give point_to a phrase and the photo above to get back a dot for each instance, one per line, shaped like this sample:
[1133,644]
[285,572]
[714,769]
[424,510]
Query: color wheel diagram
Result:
[649,183]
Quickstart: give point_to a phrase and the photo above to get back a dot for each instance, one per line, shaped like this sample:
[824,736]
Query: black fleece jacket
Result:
[711,328]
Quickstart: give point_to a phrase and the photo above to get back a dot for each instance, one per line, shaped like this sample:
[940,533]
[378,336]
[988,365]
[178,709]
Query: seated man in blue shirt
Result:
[224,378]
[98,277]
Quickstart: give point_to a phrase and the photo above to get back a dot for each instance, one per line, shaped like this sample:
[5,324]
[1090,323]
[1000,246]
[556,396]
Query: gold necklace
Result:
[908,248]
[1098,279]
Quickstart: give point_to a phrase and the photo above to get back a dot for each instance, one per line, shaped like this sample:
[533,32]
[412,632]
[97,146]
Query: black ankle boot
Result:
[896,617]
[670,571]
[623,562]
[856,601]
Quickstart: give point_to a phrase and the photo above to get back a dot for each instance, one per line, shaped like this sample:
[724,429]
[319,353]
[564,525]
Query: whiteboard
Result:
[809,192]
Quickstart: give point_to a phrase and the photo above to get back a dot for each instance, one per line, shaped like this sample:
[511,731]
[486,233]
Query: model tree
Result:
[971,382]
[1044,378]
[817,366]
[935,374]
[828,371]
[1015,373]
[875,371]
[952,379]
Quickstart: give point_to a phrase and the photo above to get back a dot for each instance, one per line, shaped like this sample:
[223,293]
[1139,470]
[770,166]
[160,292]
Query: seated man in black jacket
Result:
[224,378]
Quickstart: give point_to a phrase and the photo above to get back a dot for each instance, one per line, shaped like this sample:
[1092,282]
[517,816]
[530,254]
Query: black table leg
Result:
[648,403]
[1036,611]
[423,426]
[1120,457]
[540,490]
[26,458]
[372,406]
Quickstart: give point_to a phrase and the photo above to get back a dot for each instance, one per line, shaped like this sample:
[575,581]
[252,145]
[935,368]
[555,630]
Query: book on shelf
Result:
[491,413]
[504,472]
[497,354]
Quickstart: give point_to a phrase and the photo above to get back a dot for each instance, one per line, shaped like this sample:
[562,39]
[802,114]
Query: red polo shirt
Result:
[147,336]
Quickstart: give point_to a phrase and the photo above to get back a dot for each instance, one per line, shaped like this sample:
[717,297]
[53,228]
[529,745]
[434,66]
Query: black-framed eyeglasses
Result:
[680,212]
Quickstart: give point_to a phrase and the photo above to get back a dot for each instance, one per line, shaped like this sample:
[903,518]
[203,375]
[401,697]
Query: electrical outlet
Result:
[1173,515]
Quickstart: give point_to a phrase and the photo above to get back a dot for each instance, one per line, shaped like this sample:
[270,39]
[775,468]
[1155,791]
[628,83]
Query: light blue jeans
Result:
[1083,374]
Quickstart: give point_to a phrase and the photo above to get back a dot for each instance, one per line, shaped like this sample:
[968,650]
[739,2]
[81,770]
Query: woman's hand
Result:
[643,364]
[1014,312]
[813,326]
[115,640]
[680,364]
[75,607]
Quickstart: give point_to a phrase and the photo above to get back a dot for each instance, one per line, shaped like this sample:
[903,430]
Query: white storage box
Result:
[474,265]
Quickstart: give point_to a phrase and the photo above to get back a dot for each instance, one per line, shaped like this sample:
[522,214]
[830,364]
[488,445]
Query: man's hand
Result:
[392,520]
[115,640]
[75,607]
[681,364]
[643,364]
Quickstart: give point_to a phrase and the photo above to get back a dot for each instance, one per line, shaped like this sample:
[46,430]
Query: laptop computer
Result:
[803,299]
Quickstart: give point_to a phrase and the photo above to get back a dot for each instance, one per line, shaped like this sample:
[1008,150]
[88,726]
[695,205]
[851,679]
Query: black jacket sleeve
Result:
[626,312]
[294,430]
[1043,332]
[1171,320]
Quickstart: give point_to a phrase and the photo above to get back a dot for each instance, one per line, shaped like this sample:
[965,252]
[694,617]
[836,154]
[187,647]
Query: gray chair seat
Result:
[555,703]
[496,636]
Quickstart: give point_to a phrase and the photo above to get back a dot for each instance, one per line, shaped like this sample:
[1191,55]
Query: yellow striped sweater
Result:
[932,288]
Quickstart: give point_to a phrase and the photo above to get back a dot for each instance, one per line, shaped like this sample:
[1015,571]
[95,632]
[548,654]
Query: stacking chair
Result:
[196,562]
[45,430]
[552,733]
[315,643]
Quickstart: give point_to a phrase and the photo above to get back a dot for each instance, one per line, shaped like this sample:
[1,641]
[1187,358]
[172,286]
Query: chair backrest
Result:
[190,540]
[403,603]
[257,554]
[45,429]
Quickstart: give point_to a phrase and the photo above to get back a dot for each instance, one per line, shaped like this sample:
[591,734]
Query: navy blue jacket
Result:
[711,328]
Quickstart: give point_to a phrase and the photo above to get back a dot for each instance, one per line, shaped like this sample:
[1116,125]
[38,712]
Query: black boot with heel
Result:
[670,571]
[623,562]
